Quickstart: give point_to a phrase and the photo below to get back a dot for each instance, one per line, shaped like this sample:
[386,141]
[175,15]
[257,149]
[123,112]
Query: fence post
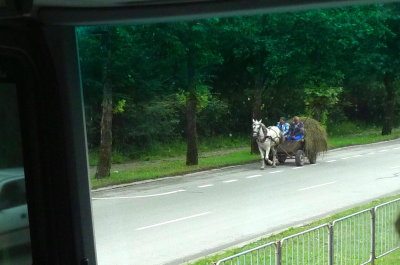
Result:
[331,243]
[278,252]
[373,235]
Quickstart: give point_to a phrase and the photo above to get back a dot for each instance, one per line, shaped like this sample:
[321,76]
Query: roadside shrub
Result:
[213,119]
[344,128]
[144,124]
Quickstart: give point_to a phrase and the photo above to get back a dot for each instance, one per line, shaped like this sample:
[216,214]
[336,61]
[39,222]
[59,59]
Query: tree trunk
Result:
[104,165]
[191,107]
[191,131]
[390,104]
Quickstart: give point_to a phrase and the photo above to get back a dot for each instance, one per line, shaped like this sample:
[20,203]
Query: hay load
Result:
[315,137]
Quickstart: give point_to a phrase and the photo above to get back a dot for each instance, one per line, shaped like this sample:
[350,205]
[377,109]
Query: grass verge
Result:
[173,167]
[223,154]
[366,137]
[390,259]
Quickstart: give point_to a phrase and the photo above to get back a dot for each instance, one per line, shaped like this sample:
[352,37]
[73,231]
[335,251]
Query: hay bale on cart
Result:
[315,141]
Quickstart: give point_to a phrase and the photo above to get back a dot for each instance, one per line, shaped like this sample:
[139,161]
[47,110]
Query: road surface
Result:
[178,219]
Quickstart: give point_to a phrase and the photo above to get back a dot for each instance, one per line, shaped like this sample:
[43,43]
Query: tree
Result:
[258,43]
[104,165]
[375,46]
[320,99]
[192,59]
[103,50]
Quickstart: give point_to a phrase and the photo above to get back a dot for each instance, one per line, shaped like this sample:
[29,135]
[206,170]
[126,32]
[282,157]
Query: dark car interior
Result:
[38,54]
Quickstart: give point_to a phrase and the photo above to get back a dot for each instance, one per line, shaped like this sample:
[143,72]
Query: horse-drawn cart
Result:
[315,141]
[296,150]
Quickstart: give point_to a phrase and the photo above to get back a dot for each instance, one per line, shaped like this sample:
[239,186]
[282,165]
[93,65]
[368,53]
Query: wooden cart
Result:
[296,150]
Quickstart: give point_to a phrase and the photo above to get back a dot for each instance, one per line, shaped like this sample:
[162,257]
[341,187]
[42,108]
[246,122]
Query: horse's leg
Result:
[273,149]
[267,149]
[262,156]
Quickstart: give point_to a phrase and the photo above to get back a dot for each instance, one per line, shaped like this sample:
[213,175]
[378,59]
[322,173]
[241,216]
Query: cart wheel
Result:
[312,158]
[300,158]
[281,158]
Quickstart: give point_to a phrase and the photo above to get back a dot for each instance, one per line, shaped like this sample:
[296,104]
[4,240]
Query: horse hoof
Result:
[262,168]
[274,166]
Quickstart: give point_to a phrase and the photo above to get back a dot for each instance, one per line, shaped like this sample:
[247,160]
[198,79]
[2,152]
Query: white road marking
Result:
[316,186]
[173,221]
[205,186]
[314,164]
[229,181]
[344,158]
[357,156]
[371,153]
[222,168]
[330,161]
[138,197]
[397,148]
[273,172]
[395,167]
[297,167]
[253,176]
[384,150]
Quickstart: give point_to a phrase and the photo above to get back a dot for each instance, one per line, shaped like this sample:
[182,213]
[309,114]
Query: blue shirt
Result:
[283,127]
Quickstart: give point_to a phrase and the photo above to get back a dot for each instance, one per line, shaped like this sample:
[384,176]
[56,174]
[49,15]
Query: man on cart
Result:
[283,126]
[296,130]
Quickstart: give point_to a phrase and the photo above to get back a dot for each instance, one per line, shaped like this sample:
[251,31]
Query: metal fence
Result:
[308,247]
[386,240]
[352,239]
[356,239]
[265,254]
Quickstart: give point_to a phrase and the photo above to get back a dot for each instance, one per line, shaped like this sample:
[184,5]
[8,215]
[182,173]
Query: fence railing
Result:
[386,240]
[264,254]
[308,247]
[352,238]
[356,239]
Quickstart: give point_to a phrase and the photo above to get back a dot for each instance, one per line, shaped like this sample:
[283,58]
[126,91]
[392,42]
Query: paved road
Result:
[178,219]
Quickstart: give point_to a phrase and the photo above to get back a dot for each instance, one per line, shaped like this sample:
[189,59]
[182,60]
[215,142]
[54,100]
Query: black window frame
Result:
[53,138]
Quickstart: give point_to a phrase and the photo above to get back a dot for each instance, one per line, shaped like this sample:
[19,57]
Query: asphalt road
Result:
[178,219]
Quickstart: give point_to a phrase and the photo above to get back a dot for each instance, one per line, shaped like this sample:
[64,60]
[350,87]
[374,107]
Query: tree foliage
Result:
[332,64]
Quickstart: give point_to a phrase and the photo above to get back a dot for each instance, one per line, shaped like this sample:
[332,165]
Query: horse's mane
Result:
[265,130]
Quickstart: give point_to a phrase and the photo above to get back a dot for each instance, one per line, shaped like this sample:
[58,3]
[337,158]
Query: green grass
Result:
[173,167]
[390,259]
[172,149]
[366,137]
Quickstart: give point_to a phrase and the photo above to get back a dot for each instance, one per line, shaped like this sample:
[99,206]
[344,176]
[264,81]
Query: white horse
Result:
[267,139]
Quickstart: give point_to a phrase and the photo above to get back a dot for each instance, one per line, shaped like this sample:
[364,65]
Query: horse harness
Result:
[264,128]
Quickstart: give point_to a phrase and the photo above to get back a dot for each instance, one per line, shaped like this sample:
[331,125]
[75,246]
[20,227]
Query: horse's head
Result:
[256,128]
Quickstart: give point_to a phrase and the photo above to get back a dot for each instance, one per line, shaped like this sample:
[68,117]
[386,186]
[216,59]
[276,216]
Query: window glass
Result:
[197,105]
[14,223]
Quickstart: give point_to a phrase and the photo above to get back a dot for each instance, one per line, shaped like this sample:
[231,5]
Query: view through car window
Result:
[207,134]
